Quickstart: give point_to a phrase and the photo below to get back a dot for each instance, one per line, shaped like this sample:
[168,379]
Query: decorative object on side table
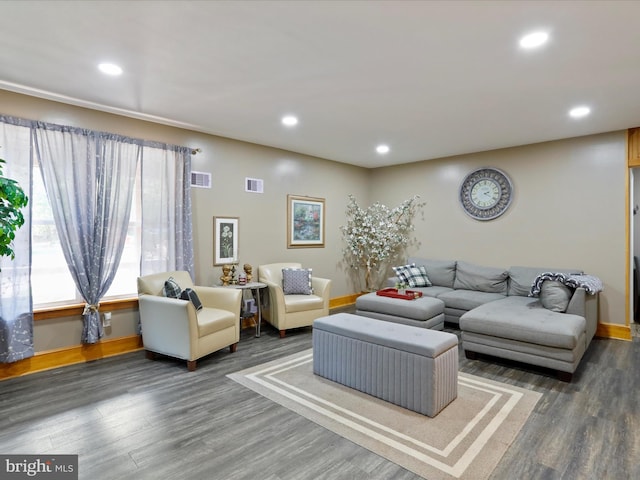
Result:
[377,234]
[226,277]
[486,193]
[248,269]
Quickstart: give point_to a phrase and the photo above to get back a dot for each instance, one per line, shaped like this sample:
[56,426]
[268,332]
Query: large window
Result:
[51,280]
[168,244]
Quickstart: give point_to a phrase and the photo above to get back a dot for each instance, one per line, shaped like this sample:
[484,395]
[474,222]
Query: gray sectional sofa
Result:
[497,317]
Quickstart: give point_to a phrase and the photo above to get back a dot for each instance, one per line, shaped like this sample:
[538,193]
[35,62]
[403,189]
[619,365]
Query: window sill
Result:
[48,313]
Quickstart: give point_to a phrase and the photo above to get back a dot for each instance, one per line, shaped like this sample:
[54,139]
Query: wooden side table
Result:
[254,288]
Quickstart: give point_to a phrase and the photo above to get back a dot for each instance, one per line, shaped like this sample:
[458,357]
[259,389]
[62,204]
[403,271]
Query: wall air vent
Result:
[201,179]
[253,185]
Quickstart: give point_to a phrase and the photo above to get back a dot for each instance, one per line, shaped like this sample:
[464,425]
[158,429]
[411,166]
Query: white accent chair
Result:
[293,311]
[172,326]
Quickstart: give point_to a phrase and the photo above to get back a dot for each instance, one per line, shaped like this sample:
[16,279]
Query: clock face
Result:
[486,193]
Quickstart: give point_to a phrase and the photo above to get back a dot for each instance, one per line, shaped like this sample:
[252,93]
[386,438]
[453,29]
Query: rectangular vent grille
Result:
[254,185]
[201,179]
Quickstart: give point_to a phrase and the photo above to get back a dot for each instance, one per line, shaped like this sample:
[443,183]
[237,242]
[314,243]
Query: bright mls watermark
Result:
[52,467]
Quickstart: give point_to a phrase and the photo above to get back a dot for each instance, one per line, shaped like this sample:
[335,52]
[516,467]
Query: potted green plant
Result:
[12,201]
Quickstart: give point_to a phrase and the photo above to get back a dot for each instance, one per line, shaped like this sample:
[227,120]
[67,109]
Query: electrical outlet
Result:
[106,319]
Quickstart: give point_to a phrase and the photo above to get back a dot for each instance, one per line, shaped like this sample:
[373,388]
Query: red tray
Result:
[393,293]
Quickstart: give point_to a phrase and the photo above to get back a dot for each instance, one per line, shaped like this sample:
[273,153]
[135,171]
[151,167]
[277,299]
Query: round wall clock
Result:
[486,193]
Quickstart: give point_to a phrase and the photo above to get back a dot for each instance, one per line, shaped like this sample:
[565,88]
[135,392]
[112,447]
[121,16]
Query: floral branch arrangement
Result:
[377,234]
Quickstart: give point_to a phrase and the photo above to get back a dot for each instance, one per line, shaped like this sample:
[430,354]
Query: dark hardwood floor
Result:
[132,418]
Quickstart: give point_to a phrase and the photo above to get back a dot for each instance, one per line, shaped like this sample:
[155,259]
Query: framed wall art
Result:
[305,222]
[225,240]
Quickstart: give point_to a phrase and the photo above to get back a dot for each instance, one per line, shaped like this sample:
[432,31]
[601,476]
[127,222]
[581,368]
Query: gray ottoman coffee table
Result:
[415,368]
[425,312]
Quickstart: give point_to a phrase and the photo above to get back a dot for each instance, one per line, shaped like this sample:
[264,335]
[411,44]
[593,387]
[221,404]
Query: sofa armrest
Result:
[586,306]
[167,325]
[276,301]
[229,299]
[321,288]
[577,303]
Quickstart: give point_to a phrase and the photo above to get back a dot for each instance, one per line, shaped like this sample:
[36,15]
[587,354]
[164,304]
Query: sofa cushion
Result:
[525,319]
[480,278]
[296,281]
[302,303]
[423,308]
[212,320]
[521,278]
[467,299]
[555,295]
[440,272]
[433,291]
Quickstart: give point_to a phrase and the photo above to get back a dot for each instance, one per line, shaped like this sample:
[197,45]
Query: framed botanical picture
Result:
[305,222]
[225,240]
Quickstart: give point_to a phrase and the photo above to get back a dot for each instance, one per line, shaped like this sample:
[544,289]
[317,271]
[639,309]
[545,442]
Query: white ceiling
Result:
[429,78]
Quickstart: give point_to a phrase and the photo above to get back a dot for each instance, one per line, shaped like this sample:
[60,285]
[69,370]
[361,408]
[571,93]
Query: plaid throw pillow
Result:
[171,289]
[192,296]
[417,277]
[402,272]
[296,281]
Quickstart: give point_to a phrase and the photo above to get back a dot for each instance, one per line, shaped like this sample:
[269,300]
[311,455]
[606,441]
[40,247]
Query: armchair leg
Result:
[191,365]
[233,347]
[282,333]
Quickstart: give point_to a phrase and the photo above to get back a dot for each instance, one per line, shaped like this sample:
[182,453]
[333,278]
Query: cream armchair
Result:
[293,311]
[173,327]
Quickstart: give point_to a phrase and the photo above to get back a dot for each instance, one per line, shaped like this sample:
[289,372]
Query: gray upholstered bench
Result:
[425,312]
[412,367]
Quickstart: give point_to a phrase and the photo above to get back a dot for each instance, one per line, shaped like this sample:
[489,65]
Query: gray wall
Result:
[568,208]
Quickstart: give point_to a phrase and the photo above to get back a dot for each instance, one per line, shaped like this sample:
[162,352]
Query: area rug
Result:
[466,440]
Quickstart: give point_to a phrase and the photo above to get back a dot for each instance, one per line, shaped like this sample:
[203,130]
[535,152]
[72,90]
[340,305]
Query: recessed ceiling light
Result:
[382,149]
[110,69]
[289,120]
[579,112]
[534,40]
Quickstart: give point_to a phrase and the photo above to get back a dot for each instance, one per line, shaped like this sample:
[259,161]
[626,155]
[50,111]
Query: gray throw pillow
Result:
[296,281]
[171,289]
[555,296]
[521,278]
